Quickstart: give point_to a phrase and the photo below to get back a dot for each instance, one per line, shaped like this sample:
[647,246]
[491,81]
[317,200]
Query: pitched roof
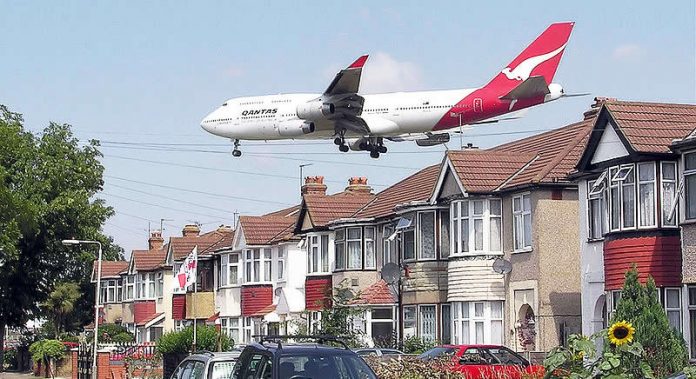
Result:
[417,187]
[206,242]
[377,293]
[323,209]
[652,127]
[486,170]
[265,230]
[148,260]
[110,269]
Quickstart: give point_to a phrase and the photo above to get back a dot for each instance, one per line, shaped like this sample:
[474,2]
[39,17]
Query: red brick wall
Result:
[255,298]
[317,292]
[142,310]
[179,307]
[658,256]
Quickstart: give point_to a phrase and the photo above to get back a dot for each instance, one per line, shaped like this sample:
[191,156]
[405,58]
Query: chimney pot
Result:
[191,230]
[358,184]
[314,185]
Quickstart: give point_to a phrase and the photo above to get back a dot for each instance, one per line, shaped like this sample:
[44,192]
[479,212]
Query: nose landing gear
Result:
[236,152]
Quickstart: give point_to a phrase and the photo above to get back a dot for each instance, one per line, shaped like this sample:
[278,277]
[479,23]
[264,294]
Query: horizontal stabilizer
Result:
[533,87]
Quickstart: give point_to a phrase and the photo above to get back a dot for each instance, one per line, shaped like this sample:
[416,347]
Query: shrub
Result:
[10,359]
[665,349]
[181,342]
[107,332]
[416,345]
[47,351]
[123,338]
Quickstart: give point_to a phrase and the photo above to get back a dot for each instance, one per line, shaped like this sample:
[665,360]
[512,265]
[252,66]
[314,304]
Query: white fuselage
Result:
[388,115]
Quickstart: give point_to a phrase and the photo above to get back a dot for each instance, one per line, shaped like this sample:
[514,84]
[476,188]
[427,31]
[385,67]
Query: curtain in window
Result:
[646,189]
[370,247]
[427,235]
[354,255]
[444,234]
[325,253]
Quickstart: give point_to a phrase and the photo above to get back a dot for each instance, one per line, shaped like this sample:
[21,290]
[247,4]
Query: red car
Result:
[484,361]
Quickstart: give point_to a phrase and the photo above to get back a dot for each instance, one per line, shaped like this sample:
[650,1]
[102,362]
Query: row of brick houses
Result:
[570,210]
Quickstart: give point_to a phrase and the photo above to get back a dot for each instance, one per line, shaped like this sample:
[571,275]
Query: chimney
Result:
[594,108]
[191,230]
[155,242]
[358,184]
[314,185]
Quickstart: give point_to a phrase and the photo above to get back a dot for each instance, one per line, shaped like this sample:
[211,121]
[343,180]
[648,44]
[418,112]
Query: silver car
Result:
[207,366]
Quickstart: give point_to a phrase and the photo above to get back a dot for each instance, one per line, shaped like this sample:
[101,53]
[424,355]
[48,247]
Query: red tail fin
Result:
[540,58]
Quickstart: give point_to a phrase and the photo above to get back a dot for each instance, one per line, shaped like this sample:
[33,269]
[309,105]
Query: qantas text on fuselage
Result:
[364,122]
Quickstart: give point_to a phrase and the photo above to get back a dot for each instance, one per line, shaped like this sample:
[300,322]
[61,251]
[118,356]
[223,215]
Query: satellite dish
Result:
[391,273]
[278,291]
[502,266]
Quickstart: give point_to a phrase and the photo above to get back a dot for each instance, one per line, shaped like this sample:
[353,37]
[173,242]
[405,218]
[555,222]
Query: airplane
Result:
[363,122]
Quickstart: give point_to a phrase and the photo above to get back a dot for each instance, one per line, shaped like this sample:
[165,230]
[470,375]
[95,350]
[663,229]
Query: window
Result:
[232,273]
[388,246]
[408,243]
[646,194]
[110,291]
[444,233]
[480,219]
[446,322]
[522,215]
[318,257]
[460,227]
[478,322]
[410,321]
[595,211]
[673,307]
[426,235]
[614,202]
[622,197]
[267,265]
[496,225]
[159,290]
[340,249]
[146,285]
[690,184]
[281,262]
[692,322]
[231,327]
[428,324]
[669,193]
[314,322]
[354,248]
[130,287]
[628,200]
[370,247]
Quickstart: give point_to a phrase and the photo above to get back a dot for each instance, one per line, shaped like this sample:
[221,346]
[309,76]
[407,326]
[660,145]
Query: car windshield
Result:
[339,366]
[222,370]
[507,357]
[437,352]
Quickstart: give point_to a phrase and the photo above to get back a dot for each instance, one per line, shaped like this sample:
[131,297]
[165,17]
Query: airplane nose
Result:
[208,126]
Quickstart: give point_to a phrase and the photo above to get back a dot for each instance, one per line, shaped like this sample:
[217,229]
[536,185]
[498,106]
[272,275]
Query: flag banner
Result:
[187,271]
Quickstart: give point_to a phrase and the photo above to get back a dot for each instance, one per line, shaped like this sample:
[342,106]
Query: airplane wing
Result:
[347,80]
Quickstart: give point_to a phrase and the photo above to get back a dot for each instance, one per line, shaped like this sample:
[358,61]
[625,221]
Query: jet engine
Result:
[295,128]
[315,110]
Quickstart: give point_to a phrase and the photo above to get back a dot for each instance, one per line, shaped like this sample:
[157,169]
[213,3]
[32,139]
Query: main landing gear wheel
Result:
[236,152]
[374,154]
[343,148]
[340,140]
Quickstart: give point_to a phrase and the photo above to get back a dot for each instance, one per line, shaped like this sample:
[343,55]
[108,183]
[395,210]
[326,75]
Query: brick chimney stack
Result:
[594,108]
[191,230]
[358,184]
[314,185]
[155,242]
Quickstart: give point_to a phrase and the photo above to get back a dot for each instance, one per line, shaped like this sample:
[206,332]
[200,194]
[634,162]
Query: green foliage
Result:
[208,338]
[60,304]
[68,337]
[108,333]
[123,337]
[416,345]
[665,349]
[10,359]
[48,189]
[46,350]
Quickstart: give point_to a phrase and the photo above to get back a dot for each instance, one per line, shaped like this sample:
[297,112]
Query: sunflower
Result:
[621,332]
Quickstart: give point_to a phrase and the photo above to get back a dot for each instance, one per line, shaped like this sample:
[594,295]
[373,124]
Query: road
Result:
[15,375]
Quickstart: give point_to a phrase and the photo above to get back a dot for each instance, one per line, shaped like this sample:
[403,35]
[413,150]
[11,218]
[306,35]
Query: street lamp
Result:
[74,242]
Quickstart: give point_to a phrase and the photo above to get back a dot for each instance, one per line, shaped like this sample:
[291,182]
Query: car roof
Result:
[472,346]
[299,348]
[215,356]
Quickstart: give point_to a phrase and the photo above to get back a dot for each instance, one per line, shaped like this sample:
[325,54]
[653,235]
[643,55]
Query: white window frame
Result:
[389,250]
[159,284]
[266,264]
[463,211]
[421,323]
[670,213]
[130,286]
[518,218]
[227,327]
[281,253]
[409,320]
[146,285]
[367,241]
[599,185]
[110,289]
[690,309]
[600,216]
[687,174]
[443,222]
[316,246]
[355,265]
[464,316]
[419,236]
[678,309]
[638,183]
[634,185]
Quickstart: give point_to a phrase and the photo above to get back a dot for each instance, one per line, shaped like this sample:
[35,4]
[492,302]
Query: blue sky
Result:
[148,72]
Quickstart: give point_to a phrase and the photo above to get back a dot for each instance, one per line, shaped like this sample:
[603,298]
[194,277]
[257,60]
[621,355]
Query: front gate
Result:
[85,355]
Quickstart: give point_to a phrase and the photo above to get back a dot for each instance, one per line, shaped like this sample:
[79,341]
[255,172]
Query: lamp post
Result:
[96,296]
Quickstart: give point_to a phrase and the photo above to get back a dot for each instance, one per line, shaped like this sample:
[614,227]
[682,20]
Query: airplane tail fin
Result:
[540,59]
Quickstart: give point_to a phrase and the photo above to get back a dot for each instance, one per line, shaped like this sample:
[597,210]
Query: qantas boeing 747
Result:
[364,122]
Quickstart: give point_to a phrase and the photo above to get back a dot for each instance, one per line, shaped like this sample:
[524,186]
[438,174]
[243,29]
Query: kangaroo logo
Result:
[524,69]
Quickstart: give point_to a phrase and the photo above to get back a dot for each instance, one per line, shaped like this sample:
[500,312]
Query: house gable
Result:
[307,223]
[448,183]
[239,241]
[610,146]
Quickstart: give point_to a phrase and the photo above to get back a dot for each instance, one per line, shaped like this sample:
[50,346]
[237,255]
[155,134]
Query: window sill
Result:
[355,270]
[526,250]
[476,254]
[590,240]
[319,273]
[687,222]
[229,286]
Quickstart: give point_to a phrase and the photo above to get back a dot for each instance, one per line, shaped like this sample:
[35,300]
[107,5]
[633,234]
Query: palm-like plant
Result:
[60,303]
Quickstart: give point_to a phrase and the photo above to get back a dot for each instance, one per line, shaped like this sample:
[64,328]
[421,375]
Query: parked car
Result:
[274,359]
[483,361]
[206,365]
[377,352]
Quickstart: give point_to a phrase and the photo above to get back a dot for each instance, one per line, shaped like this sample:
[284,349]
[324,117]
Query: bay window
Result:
[267,265]
[478,322]
[646,194]
[229,273]
[628,199]
[340,249]
[146,285]
[408,243]
[426,235]
[370,247]
[444,233]
[354,248]
[690,185]
[258,265]
[159,289]
[595,210]
[389,252]
[281,262]
[130,287]
[318,257]
[669,193]
[110,291]
[480,219]
[522,221]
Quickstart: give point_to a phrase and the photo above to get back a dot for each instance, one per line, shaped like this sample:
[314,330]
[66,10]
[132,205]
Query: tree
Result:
[48,185]
[61,303]
[665,349]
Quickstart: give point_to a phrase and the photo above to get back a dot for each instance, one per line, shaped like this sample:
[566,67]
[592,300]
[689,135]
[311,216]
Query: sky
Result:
[140,76]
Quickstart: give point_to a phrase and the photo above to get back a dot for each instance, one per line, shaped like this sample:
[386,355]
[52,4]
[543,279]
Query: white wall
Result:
[592,266]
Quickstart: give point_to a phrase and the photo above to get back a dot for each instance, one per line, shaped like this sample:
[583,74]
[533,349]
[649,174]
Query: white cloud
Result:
[627,51]
[383,73]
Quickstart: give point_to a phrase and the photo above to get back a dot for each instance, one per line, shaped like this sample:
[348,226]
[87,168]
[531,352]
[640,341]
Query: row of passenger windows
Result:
[377,110]
[251,103]
[424,107]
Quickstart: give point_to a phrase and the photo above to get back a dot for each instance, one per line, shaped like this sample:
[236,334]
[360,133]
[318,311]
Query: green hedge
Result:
[182,342]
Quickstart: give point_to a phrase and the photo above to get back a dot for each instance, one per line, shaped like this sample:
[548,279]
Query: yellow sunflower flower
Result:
[621,332]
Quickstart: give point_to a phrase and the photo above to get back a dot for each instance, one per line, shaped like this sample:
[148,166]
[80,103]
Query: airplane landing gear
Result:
[236,152]
[340,140]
